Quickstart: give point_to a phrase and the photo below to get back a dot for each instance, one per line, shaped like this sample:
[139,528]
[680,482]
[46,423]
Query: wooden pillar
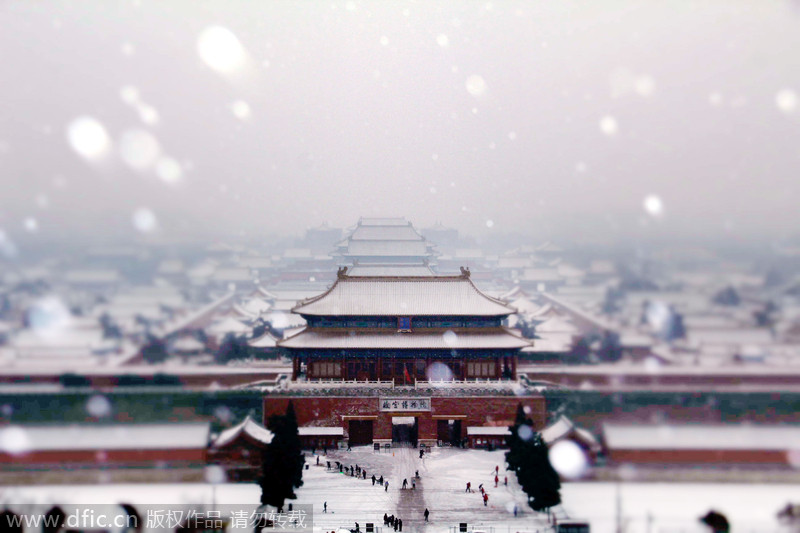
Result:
[295,366]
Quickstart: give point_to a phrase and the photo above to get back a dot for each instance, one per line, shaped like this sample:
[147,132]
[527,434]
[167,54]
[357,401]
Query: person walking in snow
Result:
[485,499]
[399,524]
[426,514]
[386,486]
[468,487]
[380,481]
[325,507]
[405,483]
[496,480]
[413,485]
[373,480]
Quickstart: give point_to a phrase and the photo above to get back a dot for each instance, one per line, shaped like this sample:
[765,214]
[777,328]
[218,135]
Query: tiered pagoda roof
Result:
[385,240]
[403,296]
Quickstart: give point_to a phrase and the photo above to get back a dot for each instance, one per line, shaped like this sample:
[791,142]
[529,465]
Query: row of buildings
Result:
[389,343]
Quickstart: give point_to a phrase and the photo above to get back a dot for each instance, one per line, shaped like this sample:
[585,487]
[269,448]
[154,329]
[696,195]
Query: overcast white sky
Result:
[547,117]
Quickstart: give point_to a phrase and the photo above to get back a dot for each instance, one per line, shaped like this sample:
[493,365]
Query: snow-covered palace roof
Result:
[109,437]
[701,437]
[247,427]
[403,296]
[422,339]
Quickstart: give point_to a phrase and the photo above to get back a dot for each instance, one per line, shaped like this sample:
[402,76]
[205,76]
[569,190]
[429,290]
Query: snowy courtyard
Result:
[444,473]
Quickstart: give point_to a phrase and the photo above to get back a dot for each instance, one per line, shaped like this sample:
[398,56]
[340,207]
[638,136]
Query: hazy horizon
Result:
[183,121]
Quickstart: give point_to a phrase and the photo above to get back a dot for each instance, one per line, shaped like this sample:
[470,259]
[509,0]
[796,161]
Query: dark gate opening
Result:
[360,432]
[449,432]
[405,430]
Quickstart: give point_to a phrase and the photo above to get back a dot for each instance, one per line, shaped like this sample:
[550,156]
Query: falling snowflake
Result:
[148,114]
[653,206]
[476,85]
[144,220]
[169,170]
[221,50]
[786,100]
[139,149]
[98,406]
[88,137]
[215,474]
[129,94]
[569,459]
[241,110]
[14,440]
[48,317]
[450,338]
[644,86]
[608,125]
[31,224]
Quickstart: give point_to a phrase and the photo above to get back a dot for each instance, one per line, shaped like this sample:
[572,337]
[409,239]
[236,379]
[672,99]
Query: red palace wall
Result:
[697,457]
[108,457]
[333,411]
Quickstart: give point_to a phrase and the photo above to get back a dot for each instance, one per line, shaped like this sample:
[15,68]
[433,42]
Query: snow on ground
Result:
[444,472]
[676,507]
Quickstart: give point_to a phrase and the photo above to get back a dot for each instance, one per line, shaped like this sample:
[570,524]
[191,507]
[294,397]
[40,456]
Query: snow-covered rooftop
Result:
[387,248]
[390,270]
[264,341]
[407,296]
[701,437]
[248,427]
[433,339]
[112,437]
[390,233]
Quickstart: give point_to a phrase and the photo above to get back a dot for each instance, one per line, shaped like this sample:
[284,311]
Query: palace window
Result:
[481,369]
[321,369]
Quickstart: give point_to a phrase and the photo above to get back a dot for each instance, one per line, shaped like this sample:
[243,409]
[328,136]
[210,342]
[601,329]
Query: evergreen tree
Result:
[282,461]
[260,328]
[232,348]
[727,297]
[528,457]
[110,329]
[610,347]
[581,352]
[154,350]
